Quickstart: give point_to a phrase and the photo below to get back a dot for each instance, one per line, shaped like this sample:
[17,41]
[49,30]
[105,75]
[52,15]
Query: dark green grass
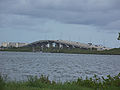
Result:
[115,51]
[20,49]
[43,83]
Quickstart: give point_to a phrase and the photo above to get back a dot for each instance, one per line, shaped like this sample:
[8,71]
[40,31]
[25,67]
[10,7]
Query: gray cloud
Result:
[25,13]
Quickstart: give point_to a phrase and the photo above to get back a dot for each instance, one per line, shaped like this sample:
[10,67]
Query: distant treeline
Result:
[114,51]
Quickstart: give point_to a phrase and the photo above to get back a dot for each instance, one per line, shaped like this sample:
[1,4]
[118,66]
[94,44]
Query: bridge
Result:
[62,44]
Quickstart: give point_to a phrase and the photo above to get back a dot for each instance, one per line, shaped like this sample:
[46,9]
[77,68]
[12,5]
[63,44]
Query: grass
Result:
[19,49]
[43,83]
[2,82]
[115,51]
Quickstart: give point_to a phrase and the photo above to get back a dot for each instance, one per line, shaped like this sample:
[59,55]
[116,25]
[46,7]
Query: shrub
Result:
[38,82]
[2,82]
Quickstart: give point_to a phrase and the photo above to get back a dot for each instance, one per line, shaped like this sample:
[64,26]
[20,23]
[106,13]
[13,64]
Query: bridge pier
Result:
[70,46]
[44,45]
[39,47]
[50,45]
[64,46]
[76,47]
[57,45]
[33,47]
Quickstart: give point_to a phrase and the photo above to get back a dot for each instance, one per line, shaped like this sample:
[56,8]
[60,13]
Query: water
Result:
[58,66]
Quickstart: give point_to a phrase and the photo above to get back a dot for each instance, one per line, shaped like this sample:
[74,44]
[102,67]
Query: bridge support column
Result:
[64,46]
[76,47]
[50,45]
[39,47]
[44,46]
[33,49]
[70,47]
[57,45]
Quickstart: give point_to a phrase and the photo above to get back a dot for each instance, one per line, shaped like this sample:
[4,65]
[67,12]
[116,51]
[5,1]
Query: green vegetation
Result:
[2,82]
[20,49]
[115,51]
[43,83]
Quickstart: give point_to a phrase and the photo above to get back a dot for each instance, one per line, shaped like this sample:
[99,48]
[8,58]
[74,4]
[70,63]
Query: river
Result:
[58,66]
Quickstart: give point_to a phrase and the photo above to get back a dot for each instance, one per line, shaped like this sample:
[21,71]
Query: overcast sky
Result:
[96,21]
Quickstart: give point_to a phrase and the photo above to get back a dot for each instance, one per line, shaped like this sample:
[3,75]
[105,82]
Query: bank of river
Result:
[114,51]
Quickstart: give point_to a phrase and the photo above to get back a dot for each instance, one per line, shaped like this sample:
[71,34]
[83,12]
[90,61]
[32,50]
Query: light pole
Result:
[118,37]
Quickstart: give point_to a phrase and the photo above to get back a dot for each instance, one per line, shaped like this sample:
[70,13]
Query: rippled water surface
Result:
[58,66]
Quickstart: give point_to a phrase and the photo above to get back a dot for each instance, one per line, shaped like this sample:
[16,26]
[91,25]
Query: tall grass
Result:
[43,83]
[2,82]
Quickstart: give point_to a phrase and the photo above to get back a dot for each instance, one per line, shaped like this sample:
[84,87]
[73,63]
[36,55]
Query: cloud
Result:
[113,25]
[34,13]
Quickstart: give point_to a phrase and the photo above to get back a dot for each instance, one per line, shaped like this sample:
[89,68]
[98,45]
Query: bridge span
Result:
[61,44]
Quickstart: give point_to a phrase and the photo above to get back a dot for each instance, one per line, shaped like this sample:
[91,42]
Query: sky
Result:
[85,21]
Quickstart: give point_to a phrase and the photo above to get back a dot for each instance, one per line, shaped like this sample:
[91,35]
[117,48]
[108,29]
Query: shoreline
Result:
[115,51]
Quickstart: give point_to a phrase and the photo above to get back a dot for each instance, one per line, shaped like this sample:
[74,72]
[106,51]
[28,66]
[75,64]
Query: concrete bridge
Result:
[61,44]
